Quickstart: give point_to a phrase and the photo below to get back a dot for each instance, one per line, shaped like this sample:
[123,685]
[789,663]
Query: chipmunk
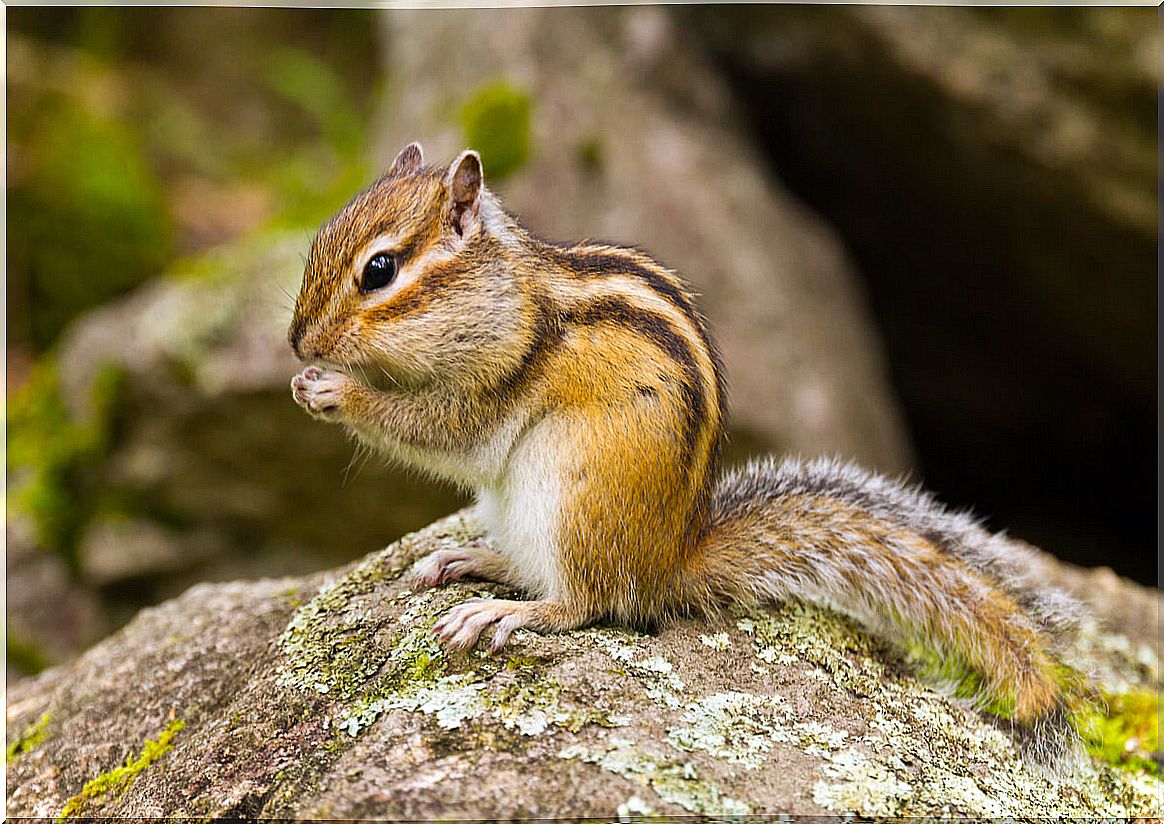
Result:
[577,390]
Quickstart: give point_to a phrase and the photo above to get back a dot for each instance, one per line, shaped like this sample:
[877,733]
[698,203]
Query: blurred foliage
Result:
[319,93]
[495,120]
[139,134]
[589,153]
[49,454]
[87,219]
[308,82]
[22,655]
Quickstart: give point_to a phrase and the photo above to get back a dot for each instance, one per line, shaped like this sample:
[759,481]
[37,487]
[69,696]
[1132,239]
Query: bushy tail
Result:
[898,561]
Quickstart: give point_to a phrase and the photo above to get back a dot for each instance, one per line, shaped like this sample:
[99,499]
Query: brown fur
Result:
[824,549]
[494,339]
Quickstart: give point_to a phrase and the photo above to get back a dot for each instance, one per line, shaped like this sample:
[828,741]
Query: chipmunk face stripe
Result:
[390,207]
[417,295]
[439,274]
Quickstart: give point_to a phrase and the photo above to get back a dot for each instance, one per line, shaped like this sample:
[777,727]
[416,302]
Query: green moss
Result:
[28,739]
[955,675]
[521,663]
[424,667]
[292,597]
[958,678]
[496,123]
[528,703]
[330,649]
[328,656]
[335,646]
[918,752]
[417,678]
[50,454]
[119,779]
[1124,730]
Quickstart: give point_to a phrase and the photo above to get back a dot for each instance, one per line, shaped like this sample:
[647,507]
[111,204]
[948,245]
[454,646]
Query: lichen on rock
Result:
[674,782]
[328,696]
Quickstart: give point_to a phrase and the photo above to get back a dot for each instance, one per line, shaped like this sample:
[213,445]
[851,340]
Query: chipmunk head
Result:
[404,278]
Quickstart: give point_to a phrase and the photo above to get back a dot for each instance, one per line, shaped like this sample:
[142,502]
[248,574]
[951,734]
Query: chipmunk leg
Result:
[383,417]
[446,565]
[461,626]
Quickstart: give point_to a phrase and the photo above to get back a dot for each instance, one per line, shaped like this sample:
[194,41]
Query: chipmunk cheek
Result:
[330,344]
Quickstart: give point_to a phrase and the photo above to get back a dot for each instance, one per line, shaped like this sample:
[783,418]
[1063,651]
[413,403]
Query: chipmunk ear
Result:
[410,159]
[464,185]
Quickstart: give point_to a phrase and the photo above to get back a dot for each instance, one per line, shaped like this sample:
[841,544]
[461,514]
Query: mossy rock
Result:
[326,696]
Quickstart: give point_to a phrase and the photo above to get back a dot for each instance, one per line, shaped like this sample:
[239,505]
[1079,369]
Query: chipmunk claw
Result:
[442,566]
[461,627]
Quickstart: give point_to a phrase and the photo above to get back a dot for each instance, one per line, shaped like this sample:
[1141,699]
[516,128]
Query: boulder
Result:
[326,697]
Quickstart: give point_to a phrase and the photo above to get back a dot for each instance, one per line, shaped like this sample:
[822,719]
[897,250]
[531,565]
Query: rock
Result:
[1049,114]
[1132,608]
[120,549]
[326,697]
[633,139]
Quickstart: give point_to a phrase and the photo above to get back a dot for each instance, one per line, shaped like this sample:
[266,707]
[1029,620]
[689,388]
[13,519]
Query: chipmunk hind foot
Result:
[461,627]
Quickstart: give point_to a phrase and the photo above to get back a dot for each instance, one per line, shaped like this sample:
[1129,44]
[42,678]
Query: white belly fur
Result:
[520,510]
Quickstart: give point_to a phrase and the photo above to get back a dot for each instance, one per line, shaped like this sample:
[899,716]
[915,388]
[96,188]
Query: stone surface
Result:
[326,697]
[49,615]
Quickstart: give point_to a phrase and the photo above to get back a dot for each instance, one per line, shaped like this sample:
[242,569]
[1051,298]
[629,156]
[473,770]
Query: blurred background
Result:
[926,238]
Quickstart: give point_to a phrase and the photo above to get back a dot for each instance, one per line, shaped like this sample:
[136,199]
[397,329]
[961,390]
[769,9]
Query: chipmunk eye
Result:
[378,272]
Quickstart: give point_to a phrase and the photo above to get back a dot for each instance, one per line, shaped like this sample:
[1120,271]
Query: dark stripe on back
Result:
[655,328]
[589,263]
[546,335]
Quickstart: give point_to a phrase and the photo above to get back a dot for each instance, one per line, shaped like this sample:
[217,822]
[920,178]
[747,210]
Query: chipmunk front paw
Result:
[321,392]
[442,566]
